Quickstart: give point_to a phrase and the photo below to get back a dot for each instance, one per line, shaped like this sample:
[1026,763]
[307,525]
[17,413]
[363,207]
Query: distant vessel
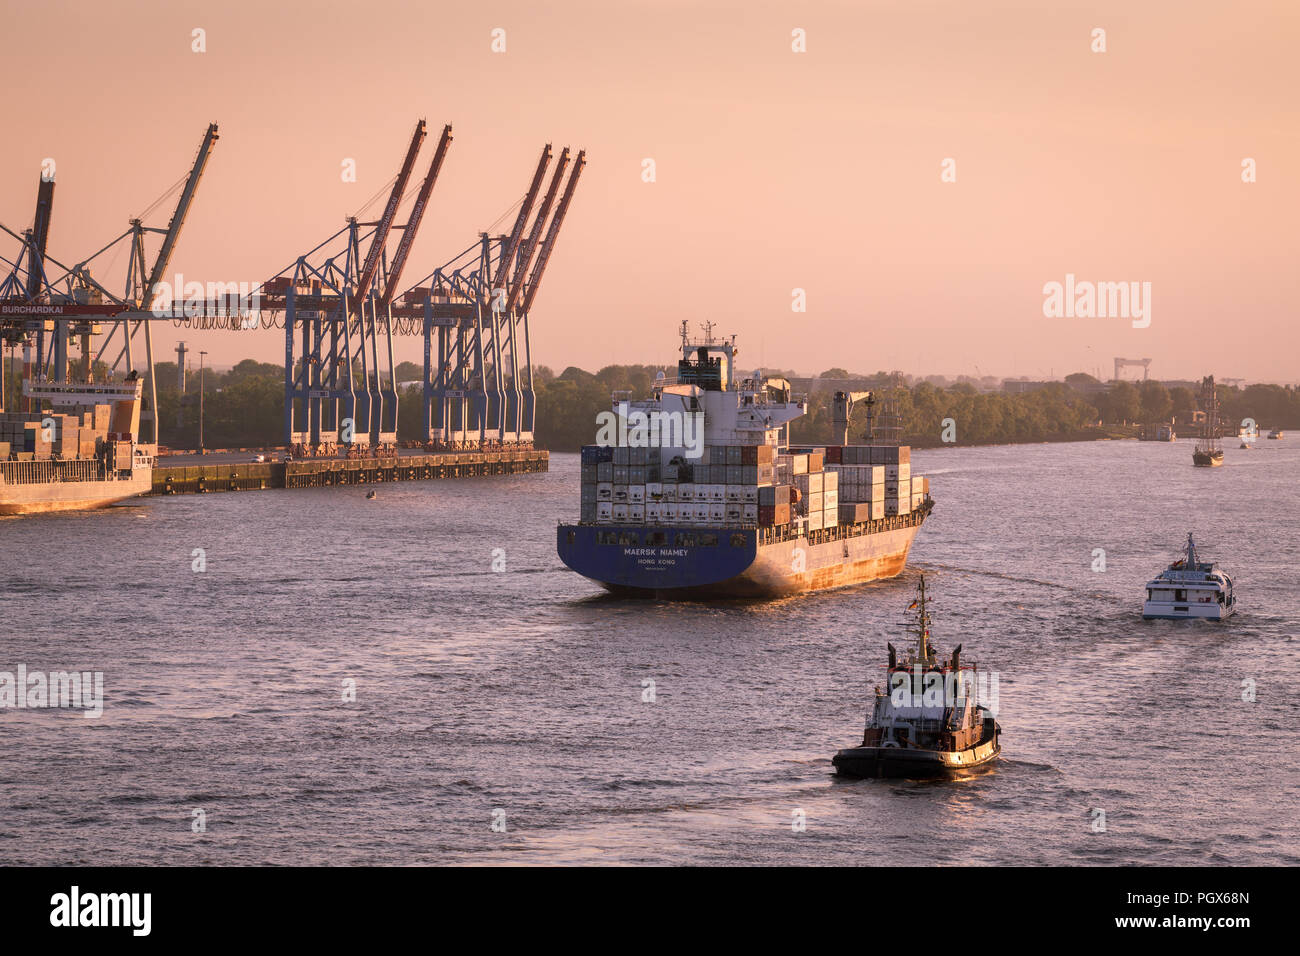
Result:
[1190,588]
[79,452]
[737,512]
[1276,433]
[929,722]
[1162,431]
[1208,453]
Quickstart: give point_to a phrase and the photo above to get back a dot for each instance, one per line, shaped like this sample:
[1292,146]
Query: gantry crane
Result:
[54,306]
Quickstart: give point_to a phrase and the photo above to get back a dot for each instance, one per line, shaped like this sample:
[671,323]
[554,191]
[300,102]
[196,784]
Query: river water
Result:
[500,716]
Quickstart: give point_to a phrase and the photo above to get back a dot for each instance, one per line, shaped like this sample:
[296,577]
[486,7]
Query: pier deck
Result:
[177,478]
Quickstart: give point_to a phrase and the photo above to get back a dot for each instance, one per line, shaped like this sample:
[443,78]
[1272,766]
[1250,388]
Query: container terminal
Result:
[80,443]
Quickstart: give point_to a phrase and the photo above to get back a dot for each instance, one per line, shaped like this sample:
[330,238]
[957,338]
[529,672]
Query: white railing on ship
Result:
[48,471]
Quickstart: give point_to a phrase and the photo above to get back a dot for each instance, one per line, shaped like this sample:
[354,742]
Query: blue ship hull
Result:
[700,562]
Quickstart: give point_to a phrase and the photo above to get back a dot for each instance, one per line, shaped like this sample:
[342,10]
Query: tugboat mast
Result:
[925,653]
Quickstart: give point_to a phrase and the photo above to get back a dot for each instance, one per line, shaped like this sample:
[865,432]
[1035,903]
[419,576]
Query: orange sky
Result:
[775,170]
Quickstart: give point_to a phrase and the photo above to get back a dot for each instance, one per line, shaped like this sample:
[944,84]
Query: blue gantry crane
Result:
[341,313]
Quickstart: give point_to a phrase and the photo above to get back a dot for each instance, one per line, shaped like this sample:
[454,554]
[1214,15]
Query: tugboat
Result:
[931,723]
[1275,434]
[1208,453]
[1190,588]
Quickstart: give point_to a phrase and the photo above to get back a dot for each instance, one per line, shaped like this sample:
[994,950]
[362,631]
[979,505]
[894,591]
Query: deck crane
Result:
[516,234]
[842,410]
[385,224]
[413,220]
[530,247]
[553,233]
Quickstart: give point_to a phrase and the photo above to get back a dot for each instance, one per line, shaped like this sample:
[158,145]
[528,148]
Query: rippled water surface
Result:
[521,691]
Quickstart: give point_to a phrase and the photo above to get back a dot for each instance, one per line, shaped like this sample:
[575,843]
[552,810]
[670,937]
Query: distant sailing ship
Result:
[1208,453]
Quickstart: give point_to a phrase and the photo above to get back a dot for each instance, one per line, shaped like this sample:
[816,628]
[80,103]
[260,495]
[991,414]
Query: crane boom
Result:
[516,234]
[413,221]
[385,224]
[553,233]
[534,235]
[40,237]
[178,219]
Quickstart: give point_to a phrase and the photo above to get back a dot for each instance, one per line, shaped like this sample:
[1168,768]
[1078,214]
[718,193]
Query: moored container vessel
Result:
[78,451]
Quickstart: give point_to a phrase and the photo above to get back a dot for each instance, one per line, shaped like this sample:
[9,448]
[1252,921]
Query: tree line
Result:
[244,406]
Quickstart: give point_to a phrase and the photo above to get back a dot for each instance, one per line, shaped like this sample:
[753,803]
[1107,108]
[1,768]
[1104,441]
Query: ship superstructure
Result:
[696,492]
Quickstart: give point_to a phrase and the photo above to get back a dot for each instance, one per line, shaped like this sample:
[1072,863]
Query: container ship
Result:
[702,496]
[78,450]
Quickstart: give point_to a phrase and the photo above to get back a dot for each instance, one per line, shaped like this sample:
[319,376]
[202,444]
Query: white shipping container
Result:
[734,511]
[653,512]
[830,517]
[604,511]
[620,512]
[830,500]
[669,492]
[735,493]
[815,521]
[654,491]
[750,513]
[717,492]
[605,491]
[686,491]
[669,510]
[830,481]
[815,482]
[717,511]
[799,464]
[636,513]
[701,511]
[636,494]
[750,495]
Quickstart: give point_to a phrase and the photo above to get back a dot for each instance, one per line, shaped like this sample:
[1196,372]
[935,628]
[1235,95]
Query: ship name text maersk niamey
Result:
[76,450]
[699,494]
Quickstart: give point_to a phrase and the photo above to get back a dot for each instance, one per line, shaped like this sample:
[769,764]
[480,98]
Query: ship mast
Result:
[1210,405]
[923,649]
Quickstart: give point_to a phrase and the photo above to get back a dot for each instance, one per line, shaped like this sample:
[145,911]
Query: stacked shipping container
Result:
[748,486]
[39,436]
